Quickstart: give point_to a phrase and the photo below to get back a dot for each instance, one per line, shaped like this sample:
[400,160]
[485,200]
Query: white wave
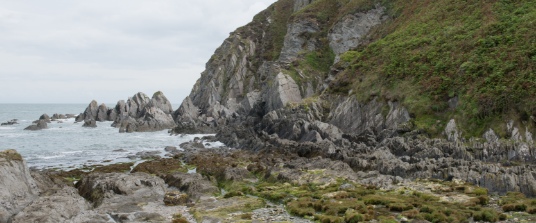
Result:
[6,128]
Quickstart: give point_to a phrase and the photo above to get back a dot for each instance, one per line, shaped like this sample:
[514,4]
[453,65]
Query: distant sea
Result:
[68,144]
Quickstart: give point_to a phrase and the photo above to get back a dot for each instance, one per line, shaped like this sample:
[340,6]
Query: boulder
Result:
[235,173]
[90,123]
[61,116]
[45,117]
[60,206]
[41,124]
[80,118]
[17,187]
[120,192]
[160,101]
[193,184]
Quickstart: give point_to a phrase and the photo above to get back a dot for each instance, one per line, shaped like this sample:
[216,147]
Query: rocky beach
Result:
[292,129]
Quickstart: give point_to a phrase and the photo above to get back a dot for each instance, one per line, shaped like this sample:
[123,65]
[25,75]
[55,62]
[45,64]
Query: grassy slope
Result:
[482,51]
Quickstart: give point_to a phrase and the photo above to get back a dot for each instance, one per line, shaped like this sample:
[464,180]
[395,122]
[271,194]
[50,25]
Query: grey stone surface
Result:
[41,124]
[294,42]
[102,113]
[17,187]
[349,32]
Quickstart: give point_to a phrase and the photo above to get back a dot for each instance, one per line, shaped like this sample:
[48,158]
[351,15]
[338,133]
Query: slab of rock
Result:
[121,192]
[102,113]
[193,184]
[45,117]
[58,207]
[17,187]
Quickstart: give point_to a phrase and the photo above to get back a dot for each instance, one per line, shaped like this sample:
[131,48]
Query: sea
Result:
[68,145]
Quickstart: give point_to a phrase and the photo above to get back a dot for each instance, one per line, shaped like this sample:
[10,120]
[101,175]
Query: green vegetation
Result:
[482,51]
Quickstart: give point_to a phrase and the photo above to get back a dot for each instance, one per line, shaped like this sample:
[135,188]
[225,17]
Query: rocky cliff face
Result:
[300,100]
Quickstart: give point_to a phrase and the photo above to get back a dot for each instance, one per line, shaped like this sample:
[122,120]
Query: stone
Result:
[45,117]
[235,173]
[102,113]
[41,124]
[17,187]
[119,192]
[60,206]
[347,186]
[349,32]
[91,111]
[294,42]
[451,131]
[90,123]
[193,184]
[175,198]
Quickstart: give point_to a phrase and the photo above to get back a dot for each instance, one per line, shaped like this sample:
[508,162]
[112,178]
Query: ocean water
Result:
[68,144]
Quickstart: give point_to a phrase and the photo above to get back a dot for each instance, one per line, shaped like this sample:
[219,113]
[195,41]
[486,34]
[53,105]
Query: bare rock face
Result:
[363,116]
[349,32]
[119,192]
[451,131]
[282,91]
[137,103]
[160,101]
[293,42]
[102,113]
[17,187]
[91,111]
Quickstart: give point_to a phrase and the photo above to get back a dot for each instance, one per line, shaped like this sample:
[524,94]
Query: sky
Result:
[65,51]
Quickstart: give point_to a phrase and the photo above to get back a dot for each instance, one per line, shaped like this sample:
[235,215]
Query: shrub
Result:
[481,191]
[531,210]
[400,207]
[521,207]
[483,200]
[233,194]
[354,218]
[508,207]
[410,213]
[486,215]
[427,209]
[246,216]
[503,217]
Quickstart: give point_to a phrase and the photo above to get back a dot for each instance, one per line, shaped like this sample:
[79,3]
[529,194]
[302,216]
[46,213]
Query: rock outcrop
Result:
[41,124]
[17,187]
[138,114]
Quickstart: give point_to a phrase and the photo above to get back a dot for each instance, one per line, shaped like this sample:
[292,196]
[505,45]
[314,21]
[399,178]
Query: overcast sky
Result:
[65,51]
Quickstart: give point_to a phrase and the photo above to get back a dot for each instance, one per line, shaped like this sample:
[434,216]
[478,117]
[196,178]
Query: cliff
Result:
[342,79]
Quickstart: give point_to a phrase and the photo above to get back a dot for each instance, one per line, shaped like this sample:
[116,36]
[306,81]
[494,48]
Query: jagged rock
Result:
[118,192]
[452,131]
[102,113]
[490,136]
[136,104]
[91,111]
[70,115]
[293,41]
[363,116]
[350,30]
[41,124]
[90,123]
[397,115]
[347,186]
[62,116]
[80,118]
[453,102]
[17,187]
[160,101]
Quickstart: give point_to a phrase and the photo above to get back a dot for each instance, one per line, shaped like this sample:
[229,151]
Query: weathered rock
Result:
[91,111]
[45,117]
[17,187]
[452,131]
[175,198]
[193,184]
[348,33]
[293,41]
[90,123]
[102,113]
[300,4]
[41,124]
[235,173]
[119,192]
[61,206]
